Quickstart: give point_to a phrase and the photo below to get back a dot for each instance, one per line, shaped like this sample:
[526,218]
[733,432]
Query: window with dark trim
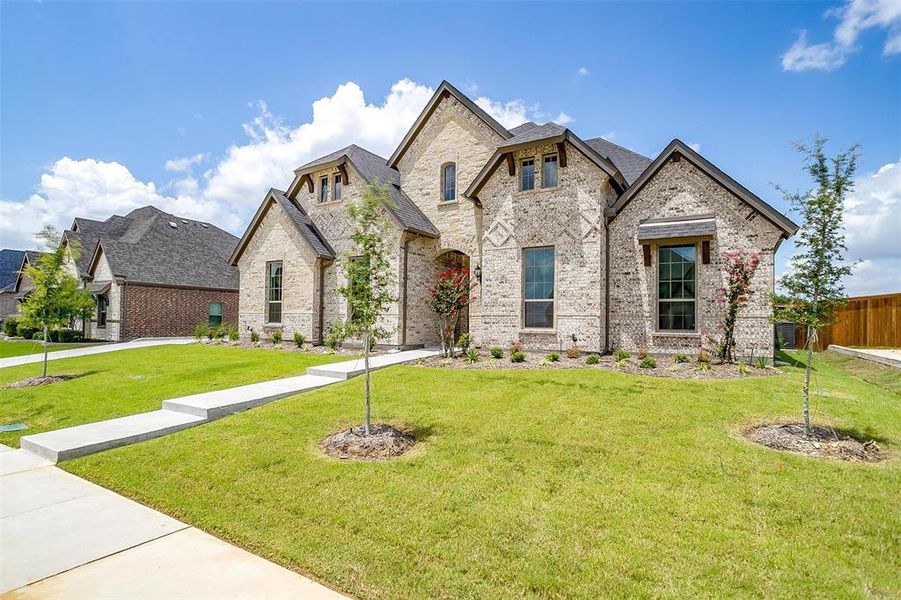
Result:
[676,288]
[323,189]
[549,171]
[538,287]
[527,174]
[274,292]
[449,182]
[102,305]
[215,315]
[336,191]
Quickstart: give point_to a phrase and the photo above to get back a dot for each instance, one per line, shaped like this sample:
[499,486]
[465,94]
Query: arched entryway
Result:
[448,260]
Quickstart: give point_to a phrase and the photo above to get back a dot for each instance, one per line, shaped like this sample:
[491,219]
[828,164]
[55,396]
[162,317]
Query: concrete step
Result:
[352,368]
[212,405]
[72,442]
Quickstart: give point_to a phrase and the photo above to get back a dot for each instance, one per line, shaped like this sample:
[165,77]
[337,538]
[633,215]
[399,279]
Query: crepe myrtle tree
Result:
[813,283]
[449,295]
[739,269]
[367,270]
[56,298]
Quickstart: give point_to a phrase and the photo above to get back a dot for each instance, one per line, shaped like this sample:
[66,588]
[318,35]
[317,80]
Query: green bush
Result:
[69,336]
[703,357]
[622,363]
[515,347]
[299,339]
[703,366]
[642,353]
[620,354]
[11,326]
[780,343]
[335,336]
[210,333]
[761,362]
[219,333]
[648,362]
[276,337]
[592,359]
[233,333]
[200,330]
[472,356]
[25,332]
[497,352]
[553,357]
[517,357]
[254,336]
[464,341]
[680,358]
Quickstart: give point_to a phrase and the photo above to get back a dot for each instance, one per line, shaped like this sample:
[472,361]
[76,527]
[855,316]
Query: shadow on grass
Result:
[785,357]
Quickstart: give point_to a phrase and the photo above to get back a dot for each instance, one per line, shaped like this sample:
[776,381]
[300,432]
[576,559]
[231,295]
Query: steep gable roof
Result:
[630,164]
[444,90]
[678,147]
[307,229]
[11,262]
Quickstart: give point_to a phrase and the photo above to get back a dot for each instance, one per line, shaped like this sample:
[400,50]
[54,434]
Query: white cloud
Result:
[695,146]
[516,112]
[183,164]
[583,72]
[854,17]
[230,190]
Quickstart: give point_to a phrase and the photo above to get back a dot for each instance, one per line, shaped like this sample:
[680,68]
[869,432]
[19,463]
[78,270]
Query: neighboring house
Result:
[154,274]
[14,284]
[569,240]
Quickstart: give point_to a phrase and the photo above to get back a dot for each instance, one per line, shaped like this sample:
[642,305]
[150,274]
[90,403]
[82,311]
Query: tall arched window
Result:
[449,182]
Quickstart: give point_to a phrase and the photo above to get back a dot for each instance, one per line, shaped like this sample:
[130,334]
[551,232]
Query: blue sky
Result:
[123,91]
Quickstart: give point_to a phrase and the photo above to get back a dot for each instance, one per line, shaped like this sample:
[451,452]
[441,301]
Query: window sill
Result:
[535,191]
[273,325]
[448,202]
[538,330]
[682,334]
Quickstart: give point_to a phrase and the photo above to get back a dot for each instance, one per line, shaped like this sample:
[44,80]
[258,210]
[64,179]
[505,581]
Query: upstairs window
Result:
[527,174]
[323,189]
[676,279]
[336,194]
[549,171]
[215,316]
[538,287]
[274,292]
[102,304]
[449,183]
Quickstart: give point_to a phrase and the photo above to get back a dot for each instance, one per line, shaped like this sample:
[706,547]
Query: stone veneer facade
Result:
[492,233]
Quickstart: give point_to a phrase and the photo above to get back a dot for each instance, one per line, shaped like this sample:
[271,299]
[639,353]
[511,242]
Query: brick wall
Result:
[164,312]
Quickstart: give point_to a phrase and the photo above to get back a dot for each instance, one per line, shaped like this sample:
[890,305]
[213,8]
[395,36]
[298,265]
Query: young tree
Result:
[56,297]
[814,281]
[370,280]
[448,296]
[739,270]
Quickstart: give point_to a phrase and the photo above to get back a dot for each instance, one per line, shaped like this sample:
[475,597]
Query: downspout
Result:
[403,331]
[321,301]
[606,284]
[122,320]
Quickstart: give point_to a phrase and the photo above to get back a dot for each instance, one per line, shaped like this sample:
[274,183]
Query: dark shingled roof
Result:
[630,164]
[697,226]
[306,227]
[523,128]
[533,134]
[144,247]
[10,264]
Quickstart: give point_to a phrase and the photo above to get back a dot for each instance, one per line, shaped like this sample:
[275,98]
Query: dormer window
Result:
[527,175]
[449,182]
[323,189]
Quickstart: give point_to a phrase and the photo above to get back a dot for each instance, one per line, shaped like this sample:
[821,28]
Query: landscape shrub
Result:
[254,336]
[592,359]
[573,352]
[10,327]
[515,347]
[761,362]
[219,333]
[622,363]
[472,356]
[25,331]
[200,330]
[553,357]
[642,353]
[743,368]
[299,339]
[517,357]
[703,366]
[464,341]
[210,333]
[620,354]
[497,352]
[703,357]
[69,336]
[680,358]
[648,362]
[276,337]
[233,333]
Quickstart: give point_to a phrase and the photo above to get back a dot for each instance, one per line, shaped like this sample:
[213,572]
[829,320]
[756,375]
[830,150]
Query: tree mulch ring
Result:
[822,442]
[37,380]
[383,442]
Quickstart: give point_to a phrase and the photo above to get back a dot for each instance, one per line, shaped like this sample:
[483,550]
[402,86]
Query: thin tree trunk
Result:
[810,336]
[45,350]
[366,370]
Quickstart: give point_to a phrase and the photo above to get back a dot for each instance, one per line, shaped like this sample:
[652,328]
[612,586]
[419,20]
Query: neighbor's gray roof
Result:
[143,247]
[696,226]
[98,287]
[10,264]
[304,225]
[87,232]
[630,164]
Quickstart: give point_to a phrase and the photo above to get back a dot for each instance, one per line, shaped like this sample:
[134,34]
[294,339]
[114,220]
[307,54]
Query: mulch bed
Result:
[383,442]
[290,346]
[666,366]
[37,380]
[823,442]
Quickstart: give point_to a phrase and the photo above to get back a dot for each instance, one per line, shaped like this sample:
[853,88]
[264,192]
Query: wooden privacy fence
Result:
[865,322]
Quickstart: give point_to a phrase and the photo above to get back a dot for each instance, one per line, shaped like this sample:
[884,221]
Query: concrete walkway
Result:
[64,537]
[887,356]
[187,411]
[27,359]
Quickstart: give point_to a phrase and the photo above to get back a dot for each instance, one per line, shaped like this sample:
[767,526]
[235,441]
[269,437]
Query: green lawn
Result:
[571,483]
[125,382]
[876,373]
[10,348]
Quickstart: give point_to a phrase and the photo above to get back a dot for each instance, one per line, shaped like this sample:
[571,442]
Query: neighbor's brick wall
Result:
[166,312]
[681,189]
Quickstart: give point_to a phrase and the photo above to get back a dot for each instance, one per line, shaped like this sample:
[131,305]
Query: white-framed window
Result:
[323,189]
[538,287]
[449,182]
[336,190]
[527,174]
[549,165]
[274,291]
[676,288]
[102,306]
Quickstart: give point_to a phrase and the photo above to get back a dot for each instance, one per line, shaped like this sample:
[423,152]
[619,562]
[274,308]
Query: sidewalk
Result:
[64,537]
[27,359]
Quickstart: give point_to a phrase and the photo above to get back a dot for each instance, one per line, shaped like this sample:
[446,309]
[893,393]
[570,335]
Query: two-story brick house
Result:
[570,240]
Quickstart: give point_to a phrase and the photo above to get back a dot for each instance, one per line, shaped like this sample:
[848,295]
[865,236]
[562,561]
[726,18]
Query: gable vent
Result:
[751,216]
[173,224]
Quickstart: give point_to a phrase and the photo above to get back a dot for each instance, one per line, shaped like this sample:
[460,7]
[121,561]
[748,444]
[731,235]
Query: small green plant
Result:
[515,347]
[517,356]
[761,362]
[743,368]
[200,330]
[464,341]
[620,354]
[254,337]
[497,352]
[703,366]
[472,356]
[648,362]
[9,327]
[592,359]
[335,337]
[299,339]
[703,357]
[553,357]
[780,343]
[680,358]
[642,353]
[622,363]
[210,333]
[276,337]
[234,334]
[573,352]
[219,333]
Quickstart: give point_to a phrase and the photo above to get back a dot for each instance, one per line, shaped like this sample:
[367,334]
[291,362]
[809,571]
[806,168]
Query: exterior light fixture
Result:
[478,273]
